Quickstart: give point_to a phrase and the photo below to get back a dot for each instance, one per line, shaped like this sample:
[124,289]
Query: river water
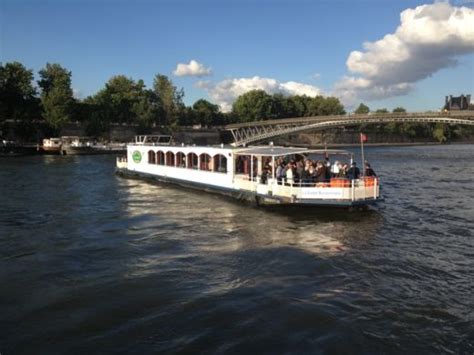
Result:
[93,263]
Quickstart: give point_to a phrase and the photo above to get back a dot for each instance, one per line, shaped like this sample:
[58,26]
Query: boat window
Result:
[180,160]
[205,160]
[160,158]
[192,161]
[169,158]
[242,164]
[220,163]
[151,157]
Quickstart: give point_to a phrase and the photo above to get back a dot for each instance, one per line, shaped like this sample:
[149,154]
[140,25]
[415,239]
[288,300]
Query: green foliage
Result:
[124,100]
[323,106]
[56,94]
[206,113]
[441,132]
[17,95]
[362,109]
[381,110]
[171,100]
[301,105]
[258,105]
[254,105]
[399,110]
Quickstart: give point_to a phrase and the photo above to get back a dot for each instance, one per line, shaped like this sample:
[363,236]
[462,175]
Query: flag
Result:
[363,138]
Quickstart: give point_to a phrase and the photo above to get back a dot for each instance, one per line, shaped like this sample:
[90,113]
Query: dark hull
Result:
[89,151]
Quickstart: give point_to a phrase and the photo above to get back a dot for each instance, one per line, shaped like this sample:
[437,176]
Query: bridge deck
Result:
[245,133]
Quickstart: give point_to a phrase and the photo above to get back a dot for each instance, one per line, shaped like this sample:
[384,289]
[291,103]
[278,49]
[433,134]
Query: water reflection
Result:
[173,225]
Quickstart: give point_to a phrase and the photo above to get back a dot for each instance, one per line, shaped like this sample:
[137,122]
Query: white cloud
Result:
[225,92]
[428,39]
[193,68]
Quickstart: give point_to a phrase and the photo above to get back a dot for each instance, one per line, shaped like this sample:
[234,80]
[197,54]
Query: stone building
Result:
[462,102]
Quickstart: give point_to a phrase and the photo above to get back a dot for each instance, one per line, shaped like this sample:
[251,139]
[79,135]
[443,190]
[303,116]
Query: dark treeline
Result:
[124,100]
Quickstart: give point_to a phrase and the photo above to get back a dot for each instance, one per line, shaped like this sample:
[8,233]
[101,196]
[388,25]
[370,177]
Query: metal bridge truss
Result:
[251,132]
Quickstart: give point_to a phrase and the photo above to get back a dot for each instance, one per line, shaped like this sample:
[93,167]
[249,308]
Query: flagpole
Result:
[362,151]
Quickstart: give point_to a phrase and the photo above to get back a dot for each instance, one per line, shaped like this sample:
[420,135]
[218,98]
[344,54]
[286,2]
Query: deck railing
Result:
[338,189]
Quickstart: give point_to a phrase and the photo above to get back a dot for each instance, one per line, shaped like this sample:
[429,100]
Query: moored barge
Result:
[243,173]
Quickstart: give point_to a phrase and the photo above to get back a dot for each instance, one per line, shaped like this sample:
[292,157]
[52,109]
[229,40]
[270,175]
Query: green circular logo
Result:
[137,156]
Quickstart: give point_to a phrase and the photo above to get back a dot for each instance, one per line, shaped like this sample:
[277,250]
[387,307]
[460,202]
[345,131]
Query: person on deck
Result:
[289,174]
[369,171]
[320,173]
[335,169]
[280,171]
[353,173]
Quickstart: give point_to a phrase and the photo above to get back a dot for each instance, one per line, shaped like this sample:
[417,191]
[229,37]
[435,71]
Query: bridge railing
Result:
[372,115]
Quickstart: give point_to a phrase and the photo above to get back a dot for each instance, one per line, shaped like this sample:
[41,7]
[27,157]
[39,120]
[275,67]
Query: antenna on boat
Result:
[363,138]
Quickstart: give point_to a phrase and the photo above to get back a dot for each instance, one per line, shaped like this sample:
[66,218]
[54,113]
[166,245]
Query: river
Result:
[94,263]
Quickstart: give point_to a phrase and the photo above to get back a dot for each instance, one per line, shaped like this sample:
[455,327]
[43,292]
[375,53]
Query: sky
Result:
[385,53]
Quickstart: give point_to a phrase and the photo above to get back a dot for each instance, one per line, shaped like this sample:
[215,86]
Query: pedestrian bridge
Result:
[250,132]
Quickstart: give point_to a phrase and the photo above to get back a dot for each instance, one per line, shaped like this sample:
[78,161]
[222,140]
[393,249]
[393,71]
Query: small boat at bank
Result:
[51,146]
[243,173]
[75,145]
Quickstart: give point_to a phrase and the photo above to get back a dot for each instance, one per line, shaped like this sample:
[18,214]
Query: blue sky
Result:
[302,41]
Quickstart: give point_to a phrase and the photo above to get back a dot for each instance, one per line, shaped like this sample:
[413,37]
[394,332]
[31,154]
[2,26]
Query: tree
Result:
[362,109]
[171,100]
[206,113]
[331,106]
[255,105]
[124,100]
[399,110]
[17,95]
[381,110]
[440,132]
[56,94]
[301,105]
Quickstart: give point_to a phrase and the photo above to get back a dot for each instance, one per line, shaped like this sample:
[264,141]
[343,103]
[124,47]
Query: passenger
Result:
[289,174]
[280,171]
[369,171]
[320,173]
[299,171]
[327,166]
[265,173]
[312,172]
[335,169]
[307,172]
[343,170]
[353,173]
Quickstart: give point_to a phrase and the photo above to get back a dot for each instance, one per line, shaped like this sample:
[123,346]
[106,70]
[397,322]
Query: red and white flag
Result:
[363,138]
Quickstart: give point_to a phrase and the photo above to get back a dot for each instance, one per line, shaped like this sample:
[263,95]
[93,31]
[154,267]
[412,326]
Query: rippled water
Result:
[90,262]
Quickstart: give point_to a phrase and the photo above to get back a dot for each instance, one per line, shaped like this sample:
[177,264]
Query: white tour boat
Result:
[244,173]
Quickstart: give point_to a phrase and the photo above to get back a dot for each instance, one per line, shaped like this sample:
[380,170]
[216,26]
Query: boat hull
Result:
[242,195]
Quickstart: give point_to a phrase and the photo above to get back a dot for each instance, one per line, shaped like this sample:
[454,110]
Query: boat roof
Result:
[280,151]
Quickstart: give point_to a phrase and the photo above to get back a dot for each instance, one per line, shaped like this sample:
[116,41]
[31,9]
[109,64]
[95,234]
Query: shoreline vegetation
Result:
[126,101]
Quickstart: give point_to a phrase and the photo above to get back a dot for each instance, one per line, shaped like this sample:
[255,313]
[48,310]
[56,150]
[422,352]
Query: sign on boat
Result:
[245,173]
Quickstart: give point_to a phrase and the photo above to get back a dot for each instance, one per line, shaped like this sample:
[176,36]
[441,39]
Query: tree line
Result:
[124,100]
